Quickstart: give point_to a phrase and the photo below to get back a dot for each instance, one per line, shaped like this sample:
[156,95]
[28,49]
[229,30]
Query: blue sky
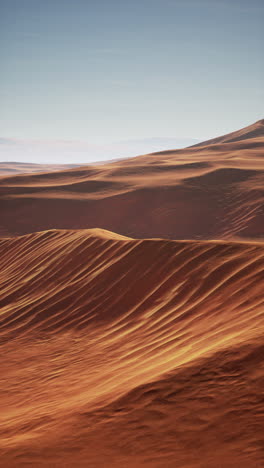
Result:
[111,70]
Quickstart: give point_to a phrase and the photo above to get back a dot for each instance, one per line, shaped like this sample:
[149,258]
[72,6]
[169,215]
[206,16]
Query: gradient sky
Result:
[112,70]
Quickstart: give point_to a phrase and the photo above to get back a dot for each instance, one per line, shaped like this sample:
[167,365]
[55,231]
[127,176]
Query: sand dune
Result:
[252,131]
[132,349]
[131,353]
[215,190]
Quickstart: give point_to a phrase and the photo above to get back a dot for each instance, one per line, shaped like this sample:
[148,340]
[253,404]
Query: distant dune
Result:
[15,168]
[131,353]
[252,131]
[213,190]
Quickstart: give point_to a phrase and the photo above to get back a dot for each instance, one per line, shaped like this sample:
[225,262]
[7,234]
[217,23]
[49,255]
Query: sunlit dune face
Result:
[122,352]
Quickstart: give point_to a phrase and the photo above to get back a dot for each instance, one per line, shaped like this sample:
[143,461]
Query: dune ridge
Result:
[210,191]
[251,131]
[126,351]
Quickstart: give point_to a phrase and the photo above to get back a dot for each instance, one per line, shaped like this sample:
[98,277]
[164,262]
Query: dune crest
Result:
[213,190]
[125,352]
[255,130]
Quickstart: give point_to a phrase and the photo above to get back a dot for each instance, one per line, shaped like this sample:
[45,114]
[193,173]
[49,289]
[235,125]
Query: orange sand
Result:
[131,353]
[126,353]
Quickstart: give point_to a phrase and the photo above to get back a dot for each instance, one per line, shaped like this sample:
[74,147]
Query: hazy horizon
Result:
[81,152]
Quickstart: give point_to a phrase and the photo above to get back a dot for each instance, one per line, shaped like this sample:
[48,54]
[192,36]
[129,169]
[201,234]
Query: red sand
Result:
[202,192]
[131,353]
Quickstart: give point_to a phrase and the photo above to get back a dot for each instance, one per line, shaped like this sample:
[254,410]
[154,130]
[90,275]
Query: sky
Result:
[110,71]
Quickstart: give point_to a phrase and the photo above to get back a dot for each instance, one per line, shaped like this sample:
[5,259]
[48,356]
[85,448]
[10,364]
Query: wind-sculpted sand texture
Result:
[131,353]
[211,190]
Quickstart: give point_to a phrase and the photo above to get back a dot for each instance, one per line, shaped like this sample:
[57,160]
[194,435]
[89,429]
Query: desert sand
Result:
[213,190]
[141,350]
[122,352]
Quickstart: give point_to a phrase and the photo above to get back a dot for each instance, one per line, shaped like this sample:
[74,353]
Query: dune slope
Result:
[122,352]
[215,190]
[251,131]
